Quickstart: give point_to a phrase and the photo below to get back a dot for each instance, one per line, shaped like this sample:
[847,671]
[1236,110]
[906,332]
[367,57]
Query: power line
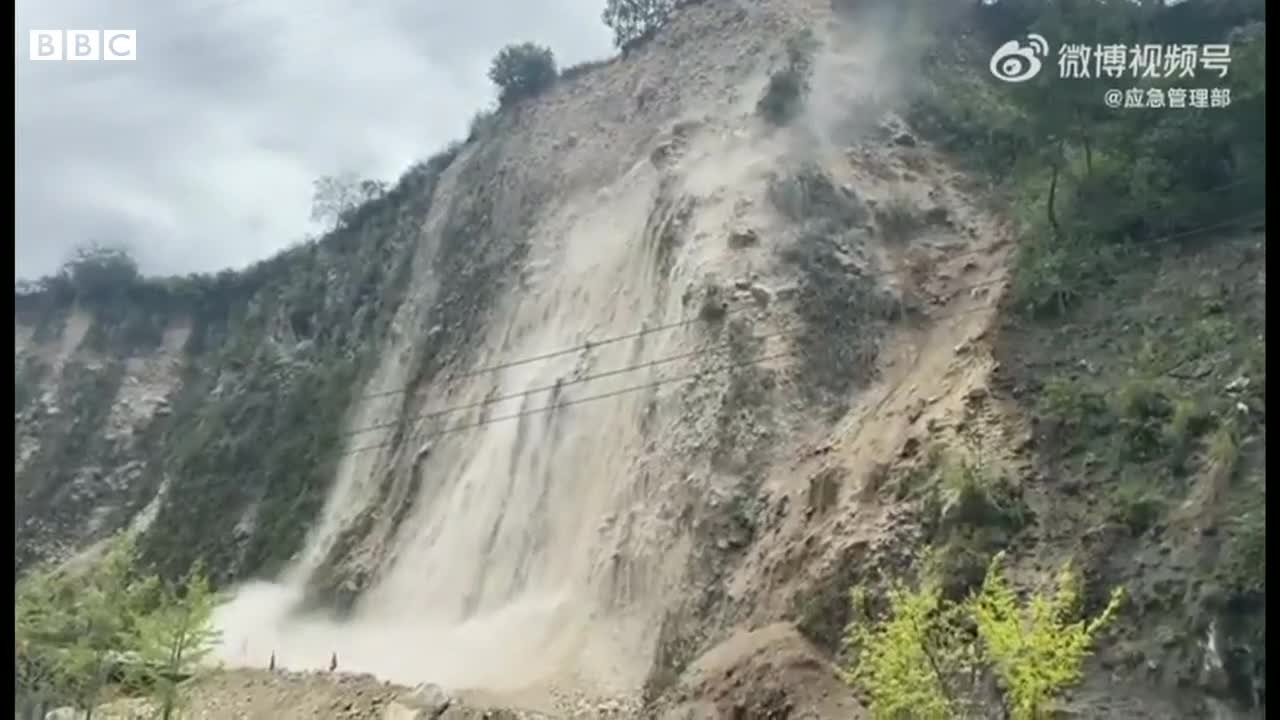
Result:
[665,381]
[579,401]
[575,381]
[590,344]
[557,353]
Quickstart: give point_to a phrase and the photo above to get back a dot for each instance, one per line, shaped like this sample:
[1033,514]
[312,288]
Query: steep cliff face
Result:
[666,260]
[328,414]
[584,398]
[215,401]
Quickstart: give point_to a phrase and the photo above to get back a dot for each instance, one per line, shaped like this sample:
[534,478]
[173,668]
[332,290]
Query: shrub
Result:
[522,71]
[1049,275]
[635,20]
[1243,565]
[784,95]
[1037,650]
[1188,419]
[95,621]
[581,69]
[1142,409]
[905,662]
[1137,504]
[1068,402]
[897,219]
[481,124]
[1223,450]
[175,637]
[971,513]
[921,660]
[97,272]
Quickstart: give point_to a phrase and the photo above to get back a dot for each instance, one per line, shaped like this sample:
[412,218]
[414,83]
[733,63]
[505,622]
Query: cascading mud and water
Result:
[500,574]
[543,550]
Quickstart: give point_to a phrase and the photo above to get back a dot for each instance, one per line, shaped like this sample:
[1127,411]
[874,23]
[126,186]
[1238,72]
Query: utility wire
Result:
[557,353]
[681,356]
[579,401]
[575,381]
[666,381]
[690,321]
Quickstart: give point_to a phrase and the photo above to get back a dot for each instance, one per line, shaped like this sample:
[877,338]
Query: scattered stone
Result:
[714,307]
[915,410]
[824,490]
[1027,443]
[937,216]
[762,295]
[739,239]
[663,154]
[904,139]
[875,479]
[424,702]
[1237,385]
[786,292]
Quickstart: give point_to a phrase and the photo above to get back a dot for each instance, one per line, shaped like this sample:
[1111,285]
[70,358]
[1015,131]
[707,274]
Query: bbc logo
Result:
[84,45]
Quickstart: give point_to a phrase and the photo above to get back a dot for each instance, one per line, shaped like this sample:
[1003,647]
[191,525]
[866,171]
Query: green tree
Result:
[175,635]
[787,89]
[522,71]
[99,272]
[74,625]
[915,662]
[336,198]
[38,625]
[635,20]
[922,659]
[99,620]
[1037,650]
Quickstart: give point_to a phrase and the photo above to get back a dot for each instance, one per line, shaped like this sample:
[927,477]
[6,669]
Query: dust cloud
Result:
[533,555]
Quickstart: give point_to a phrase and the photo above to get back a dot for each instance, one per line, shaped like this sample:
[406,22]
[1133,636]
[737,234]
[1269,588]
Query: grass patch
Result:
[1243,565]
[970,511]
[1223,449]
[1138,504]
[1079,410]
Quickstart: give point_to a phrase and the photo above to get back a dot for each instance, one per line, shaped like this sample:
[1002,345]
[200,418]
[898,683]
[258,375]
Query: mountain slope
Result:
[622,396]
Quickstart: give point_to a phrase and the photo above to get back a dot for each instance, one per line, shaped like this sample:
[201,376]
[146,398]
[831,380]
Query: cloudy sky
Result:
[200,154]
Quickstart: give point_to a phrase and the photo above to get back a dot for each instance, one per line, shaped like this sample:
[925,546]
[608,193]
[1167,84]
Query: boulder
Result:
[424,702]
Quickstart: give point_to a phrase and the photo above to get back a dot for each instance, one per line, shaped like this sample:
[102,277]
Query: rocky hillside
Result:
[621,397]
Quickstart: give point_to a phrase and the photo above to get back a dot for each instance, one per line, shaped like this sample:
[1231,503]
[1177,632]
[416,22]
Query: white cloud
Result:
[200,155]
